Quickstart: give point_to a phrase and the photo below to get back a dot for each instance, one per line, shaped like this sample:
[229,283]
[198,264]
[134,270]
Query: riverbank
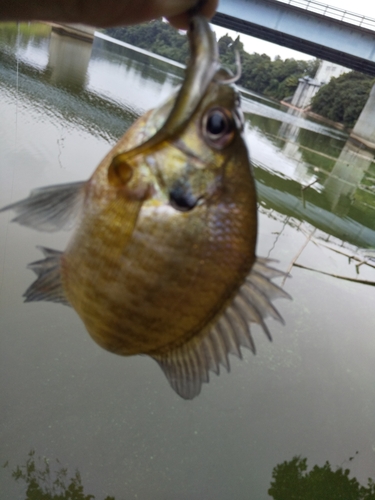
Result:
[317,117]
[339,126]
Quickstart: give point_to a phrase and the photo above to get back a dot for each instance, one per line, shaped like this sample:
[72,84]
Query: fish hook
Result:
[200,71]
[237,75]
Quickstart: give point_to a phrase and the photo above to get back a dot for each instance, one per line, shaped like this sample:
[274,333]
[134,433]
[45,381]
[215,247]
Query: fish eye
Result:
[218,127]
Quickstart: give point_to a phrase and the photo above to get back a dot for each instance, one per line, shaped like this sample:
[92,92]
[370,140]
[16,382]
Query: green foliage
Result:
[291,481]
[43,484]
[157,37]
[277,79]
[343,98]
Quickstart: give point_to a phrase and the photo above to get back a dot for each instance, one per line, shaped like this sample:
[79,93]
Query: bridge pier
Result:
[364,129]
[307,88]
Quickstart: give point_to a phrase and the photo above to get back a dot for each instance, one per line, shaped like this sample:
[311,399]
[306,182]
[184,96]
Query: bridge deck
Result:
[338,36]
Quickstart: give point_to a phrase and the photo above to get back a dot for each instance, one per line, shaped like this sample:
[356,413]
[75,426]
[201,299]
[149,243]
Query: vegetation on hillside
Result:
[343,98]
[277,79]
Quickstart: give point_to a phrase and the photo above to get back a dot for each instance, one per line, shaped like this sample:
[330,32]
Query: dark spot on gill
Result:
[181,198]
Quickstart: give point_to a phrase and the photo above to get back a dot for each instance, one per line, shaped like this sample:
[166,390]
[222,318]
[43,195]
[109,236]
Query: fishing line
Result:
[285,223]
[17,86]
[16,117]
[15,149]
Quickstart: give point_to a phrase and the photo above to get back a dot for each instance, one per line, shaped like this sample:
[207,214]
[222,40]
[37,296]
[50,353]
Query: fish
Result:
[162,258]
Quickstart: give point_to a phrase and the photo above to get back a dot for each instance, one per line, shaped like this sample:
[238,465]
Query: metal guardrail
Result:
[333,12]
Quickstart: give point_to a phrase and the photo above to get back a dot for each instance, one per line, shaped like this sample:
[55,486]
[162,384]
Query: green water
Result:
[309,393]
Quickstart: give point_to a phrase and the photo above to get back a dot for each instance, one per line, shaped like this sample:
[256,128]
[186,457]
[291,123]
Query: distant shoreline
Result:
[307,112]
[320,118]
[98,34]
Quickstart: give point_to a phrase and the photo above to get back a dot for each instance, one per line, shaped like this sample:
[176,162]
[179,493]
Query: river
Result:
[310,393]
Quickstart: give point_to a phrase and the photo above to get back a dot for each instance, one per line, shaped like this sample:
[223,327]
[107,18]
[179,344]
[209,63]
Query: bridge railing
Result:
[333,12]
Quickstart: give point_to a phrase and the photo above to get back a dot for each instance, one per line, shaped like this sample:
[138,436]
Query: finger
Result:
[181,21]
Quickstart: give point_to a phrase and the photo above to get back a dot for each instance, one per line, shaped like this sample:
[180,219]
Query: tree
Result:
[155,36]
[277,79]
[343,98]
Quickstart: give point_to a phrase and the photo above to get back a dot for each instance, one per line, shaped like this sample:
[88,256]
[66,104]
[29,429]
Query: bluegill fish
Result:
[162,261]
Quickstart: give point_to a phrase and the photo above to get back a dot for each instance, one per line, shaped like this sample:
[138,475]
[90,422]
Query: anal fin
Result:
[48,285]
[187,367]
[184,371]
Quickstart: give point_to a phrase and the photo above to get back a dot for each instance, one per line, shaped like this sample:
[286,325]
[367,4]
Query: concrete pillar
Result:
[307,88]
[298,92]
[364,130]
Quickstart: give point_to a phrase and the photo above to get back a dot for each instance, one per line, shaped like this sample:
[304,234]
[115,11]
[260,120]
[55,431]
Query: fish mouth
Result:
[182,199]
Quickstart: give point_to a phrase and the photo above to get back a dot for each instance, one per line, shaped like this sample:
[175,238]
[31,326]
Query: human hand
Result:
[103,13]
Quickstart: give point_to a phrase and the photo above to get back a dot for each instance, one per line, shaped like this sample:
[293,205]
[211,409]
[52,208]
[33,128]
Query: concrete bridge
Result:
[325,32]
[309,26]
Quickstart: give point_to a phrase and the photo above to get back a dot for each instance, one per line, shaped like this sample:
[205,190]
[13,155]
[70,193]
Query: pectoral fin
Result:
[50,208]
[188,366]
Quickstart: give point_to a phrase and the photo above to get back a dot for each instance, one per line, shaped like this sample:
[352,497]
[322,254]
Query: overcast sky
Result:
[251,44]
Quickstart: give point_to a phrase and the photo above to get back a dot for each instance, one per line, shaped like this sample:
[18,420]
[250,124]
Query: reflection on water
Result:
[68,59]
[348,176]
[318,178]
[309,394]
[292,481]
[45,480]
[48,481]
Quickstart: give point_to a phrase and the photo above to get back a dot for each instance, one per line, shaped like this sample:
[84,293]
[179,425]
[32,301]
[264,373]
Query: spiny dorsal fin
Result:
[188,366]
[50,208]
[48,285]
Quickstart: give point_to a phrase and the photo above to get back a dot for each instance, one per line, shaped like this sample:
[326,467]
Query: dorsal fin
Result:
[186,367]
[48,285]
[50,208]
